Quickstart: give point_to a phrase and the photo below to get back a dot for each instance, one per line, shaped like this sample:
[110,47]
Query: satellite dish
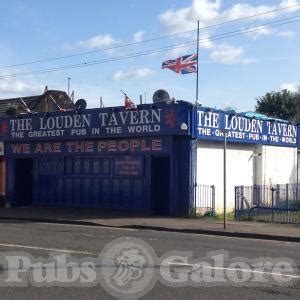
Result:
[161,96]
[80,104]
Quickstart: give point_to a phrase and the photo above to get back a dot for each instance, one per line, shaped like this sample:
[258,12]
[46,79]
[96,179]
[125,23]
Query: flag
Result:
[182,65]
[128,103]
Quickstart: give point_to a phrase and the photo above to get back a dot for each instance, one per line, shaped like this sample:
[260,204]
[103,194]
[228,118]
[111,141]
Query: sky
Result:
[233,71]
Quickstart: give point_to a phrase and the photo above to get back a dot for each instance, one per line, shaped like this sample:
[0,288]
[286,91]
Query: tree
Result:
[282,105]
[11,109]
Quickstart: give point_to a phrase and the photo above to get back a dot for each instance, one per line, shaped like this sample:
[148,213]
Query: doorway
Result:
[160,185]
[23,181]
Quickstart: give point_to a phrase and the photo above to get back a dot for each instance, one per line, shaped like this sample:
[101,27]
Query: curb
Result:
[259,236]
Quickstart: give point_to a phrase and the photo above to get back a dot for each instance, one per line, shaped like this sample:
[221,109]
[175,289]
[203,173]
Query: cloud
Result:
[259,31]
[255,32]
[180,50]
[287,34]
[209,12]
[243,10]
[16,87]
[138,73]
[204,11]
[96,42]
[138,36]
[183,49]
[228,54]
[286,3]
[185,19]
[205,41]
[292,87]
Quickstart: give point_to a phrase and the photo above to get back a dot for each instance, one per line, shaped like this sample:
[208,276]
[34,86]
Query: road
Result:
[40,239]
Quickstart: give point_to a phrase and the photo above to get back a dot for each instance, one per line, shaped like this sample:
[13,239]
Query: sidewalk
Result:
[112,218]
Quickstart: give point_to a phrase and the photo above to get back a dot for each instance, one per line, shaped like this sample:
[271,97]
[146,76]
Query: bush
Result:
[11,109]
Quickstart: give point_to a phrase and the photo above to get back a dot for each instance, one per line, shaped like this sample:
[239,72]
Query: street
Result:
[39,239]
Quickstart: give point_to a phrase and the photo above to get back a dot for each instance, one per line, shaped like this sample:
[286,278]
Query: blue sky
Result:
[232,71]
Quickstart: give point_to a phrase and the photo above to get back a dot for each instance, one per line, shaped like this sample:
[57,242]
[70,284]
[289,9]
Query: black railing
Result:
[204,200]
[278,203]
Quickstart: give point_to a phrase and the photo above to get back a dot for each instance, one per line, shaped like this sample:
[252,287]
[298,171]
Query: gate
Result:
[279,203]
[204,200]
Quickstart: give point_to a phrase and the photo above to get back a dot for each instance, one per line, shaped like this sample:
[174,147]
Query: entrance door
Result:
[23,181]
[160,185]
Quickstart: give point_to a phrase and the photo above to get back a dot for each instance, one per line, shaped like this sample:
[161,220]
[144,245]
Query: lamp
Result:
[183,126]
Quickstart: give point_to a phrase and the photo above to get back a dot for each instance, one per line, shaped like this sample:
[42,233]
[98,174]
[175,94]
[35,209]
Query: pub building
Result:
[135,159]
[147,159]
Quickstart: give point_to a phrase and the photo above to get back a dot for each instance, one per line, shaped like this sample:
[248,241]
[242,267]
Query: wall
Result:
[105,173]
[210,168]
[276,165]
[96,137]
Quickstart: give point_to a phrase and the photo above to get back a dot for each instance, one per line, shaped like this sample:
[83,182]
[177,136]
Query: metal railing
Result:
[204,200]
[278,203]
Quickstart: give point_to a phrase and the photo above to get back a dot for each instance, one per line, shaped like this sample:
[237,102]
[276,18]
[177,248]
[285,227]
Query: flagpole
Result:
[197,80]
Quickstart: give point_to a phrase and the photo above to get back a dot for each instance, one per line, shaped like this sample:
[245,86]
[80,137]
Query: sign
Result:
[128,165]
[147,120]
[107,146]
[212,125]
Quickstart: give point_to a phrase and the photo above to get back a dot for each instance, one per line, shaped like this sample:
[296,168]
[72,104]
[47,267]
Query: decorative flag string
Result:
[26,108]
[59,108]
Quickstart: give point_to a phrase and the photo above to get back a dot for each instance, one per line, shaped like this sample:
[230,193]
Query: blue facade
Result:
[142,160]
[107,158]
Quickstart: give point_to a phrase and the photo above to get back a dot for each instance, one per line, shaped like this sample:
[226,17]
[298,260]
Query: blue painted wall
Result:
[113,180]
[105,170]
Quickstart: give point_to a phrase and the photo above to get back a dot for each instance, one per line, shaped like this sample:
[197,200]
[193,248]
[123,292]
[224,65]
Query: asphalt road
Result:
[38,240]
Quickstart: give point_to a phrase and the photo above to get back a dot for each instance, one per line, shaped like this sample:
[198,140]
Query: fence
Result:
[204,200]
[279,203]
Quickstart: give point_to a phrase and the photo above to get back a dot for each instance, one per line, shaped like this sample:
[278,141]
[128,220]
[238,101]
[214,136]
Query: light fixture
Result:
[254,155]
[183,126]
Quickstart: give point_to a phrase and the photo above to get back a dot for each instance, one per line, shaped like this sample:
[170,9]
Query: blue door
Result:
[23,181]
[160,185]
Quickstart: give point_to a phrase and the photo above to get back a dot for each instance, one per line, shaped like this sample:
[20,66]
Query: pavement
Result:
[122,219]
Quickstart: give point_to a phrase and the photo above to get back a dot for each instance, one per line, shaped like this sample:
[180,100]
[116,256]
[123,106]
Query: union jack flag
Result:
[182,65]
[128,103]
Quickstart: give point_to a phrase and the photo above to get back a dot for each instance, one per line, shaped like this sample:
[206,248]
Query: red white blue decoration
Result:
[182,65]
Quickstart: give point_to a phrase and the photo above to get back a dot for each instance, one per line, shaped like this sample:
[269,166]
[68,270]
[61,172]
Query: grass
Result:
[208,215]
[229,216]
[278,217]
